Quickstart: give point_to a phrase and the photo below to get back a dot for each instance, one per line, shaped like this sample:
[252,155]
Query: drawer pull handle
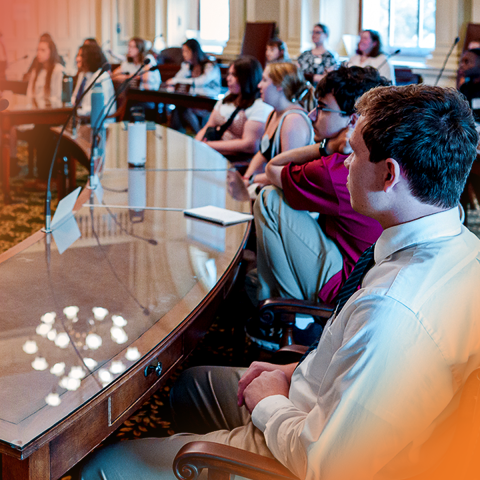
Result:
[154,368]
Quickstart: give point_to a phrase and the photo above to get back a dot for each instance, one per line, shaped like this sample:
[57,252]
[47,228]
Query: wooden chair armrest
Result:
[289,354]
[269,307]
[223,461]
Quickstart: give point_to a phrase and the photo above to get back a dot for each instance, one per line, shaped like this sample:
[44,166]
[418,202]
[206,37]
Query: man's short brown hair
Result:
[431,133]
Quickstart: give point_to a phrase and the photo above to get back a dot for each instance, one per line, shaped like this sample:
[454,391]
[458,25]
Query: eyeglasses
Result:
[314,113]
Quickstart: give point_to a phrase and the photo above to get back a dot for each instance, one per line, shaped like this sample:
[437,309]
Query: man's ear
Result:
[353,120]
[392,174]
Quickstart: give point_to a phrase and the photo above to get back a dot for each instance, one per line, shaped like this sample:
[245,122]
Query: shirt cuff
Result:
[266,408]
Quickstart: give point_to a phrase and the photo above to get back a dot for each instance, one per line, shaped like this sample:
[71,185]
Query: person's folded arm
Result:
[249,143]
[371,395]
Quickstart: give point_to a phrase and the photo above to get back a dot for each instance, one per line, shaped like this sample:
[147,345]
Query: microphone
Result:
[396,52]
[446,60]
[4,103]
[104,115]
[48,198]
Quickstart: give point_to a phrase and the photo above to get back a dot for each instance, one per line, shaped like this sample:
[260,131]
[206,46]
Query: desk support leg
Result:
[6,167]
[35,467]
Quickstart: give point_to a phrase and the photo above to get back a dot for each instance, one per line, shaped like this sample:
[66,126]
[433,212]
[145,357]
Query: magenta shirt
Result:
[321,186]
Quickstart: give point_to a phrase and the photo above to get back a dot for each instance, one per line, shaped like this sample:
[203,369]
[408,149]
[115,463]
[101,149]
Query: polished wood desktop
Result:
[167,95]
[131,298]
[21,115]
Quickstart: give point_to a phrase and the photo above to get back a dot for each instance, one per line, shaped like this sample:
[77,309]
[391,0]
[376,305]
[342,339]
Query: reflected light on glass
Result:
[53,399]
[39,364]
[71,312]
[99,313]
[118,335]
[93,341]
[105,376]
[76,372]
[62,340]
[71,384]
[43,329]
[132,354]
[30,347]
[58,369]
[48,318]
[52,334]
[90,363]
[119,321]
[117,367]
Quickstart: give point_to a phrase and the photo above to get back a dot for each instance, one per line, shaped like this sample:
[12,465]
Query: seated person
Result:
[299,256]
[369,53]
[205,79]
[469,71]
[317,62]
[90,60]
[243,135]
[377,397]
[288,126]
[276,51]
[44,90]
[136,55]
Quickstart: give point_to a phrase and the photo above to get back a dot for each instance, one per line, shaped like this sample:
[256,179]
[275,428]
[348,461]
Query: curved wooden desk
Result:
[161,277]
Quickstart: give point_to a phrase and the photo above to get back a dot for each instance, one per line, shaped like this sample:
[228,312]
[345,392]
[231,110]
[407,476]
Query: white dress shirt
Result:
[148,80]
[36,93]
[389,369]
[208,83]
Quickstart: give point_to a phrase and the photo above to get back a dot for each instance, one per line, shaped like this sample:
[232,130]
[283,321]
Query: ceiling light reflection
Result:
[71,312]
[104,375]
[119,321]
[117,367]
[62,340]
[39,364]
[30,347]
[76,372]
[118,335]
[132,354]
[90,363]
[52,334]
[58,369]
[93,341]
[71,384]
[99,313]
[43,329]
[53,399]
[48,318]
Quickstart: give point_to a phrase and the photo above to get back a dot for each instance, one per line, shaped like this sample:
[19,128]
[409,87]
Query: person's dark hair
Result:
[92,57]
[323,27]
[249,73]
[282,48]
[475,51]
[142,48]
[429,131]
[199,56]
[50,64]
[93,41]
[377,49]
[347,84]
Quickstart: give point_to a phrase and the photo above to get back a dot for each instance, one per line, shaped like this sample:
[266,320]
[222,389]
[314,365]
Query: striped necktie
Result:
[365,262]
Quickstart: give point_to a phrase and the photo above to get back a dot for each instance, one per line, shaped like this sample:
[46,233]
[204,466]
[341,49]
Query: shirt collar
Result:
[398,237]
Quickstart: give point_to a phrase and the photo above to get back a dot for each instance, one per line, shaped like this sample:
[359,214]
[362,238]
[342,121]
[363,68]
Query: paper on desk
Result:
[64,226]
[218,215]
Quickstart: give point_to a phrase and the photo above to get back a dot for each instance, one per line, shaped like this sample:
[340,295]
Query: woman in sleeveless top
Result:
[284,88]
[245,132]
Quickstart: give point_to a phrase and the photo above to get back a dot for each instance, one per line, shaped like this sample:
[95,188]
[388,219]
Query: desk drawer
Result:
[141,381]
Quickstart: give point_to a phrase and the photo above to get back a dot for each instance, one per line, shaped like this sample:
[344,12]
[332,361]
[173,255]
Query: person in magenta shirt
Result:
[305,256]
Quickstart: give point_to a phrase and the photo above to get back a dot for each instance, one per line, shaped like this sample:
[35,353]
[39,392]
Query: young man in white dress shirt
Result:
[376,398]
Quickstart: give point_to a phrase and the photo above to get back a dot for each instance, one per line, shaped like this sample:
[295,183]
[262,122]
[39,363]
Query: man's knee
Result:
[268,204]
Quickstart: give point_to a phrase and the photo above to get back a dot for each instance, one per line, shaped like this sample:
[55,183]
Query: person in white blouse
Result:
[44,90]
[204,78]
[245,132]
[377,398]
[89,62]
[136,55]
[369,53]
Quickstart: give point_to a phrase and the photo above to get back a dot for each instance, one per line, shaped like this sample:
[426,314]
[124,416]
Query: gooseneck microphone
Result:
[48,197]
[104,114]
[396,52]
[446,60]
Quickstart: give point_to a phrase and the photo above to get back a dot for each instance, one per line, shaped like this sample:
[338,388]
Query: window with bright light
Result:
[214,25]
[405,24]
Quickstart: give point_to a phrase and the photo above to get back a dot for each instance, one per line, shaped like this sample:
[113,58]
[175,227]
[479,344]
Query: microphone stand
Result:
[104,115]
[396,52]
[48,198]
[446,60]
